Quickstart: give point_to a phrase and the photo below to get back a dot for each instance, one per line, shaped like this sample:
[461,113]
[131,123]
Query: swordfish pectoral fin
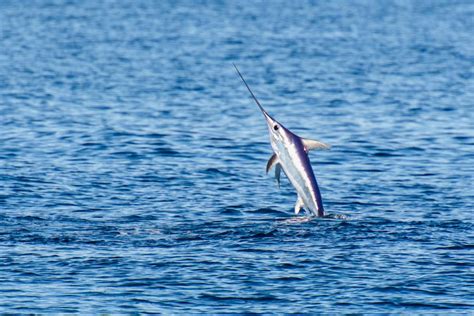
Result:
[310,144]
[272,162]
[278,173]
[299,204]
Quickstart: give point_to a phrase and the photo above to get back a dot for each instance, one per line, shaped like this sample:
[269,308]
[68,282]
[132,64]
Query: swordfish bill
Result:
[290,154]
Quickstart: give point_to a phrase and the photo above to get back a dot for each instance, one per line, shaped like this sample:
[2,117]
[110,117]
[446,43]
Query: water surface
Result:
[132,160]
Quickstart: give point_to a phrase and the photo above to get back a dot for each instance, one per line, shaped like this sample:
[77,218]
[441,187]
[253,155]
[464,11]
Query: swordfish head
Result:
[279,134]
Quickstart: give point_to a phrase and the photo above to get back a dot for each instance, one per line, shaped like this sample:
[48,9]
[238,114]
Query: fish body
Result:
[290,154]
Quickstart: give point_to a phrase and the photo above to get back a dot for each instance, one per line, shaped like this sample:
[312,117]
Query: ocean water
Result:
[132,160]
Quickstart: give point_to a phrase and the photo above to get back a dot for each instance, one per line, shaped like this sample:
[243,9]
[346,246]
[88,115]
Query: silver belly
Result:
[294,170]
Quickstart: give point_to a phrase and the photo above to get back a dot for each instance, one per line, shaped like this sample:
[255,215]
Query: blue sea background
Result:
[132,160]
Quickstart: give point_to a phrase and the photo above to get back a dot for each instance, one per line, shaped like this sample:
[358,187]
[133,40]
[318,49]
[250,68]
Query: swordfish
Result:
[290,154]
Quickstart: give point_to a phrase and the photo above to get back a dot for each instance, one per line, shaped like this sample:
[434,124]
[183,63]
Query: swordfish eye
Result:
[275,127]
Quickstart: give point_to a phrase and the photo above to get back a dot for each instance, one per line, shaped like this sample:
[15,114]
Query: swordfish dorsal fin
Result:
[310,144]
